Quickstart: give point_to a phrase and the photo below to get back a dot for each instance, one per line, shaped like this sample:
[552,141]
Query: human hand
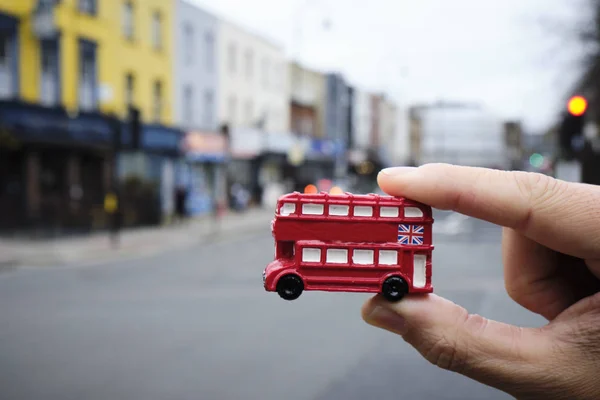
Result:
[551,254]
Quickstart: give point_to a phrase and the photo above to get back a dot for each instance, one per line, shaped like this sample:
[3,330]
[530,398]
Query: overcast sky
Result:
[515,57]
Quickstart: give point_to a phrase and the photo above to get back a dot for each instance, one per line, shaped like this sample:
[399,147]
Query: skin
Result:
[551,255]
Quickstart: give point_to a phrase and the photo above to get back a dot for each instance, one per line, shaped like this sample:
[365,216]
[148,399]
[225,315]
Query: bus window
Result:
[363,211]
[388,257]
[413,212]
[389,212]
[419,278]
[312,209]
[337,256]
[338,210]
[288,208]
[363,257]
[311,255]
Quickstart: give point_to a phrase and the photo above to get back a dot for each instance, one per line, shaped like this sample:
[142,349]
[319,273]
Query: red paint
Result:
[362,236]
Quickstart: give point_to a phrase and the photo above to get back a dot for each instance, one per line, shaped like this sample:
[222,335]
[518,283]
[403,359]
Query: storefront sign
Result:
[208,146]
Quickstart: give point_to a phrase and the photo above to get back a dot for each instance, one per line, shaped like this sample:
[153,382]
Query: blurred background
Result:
[144,143]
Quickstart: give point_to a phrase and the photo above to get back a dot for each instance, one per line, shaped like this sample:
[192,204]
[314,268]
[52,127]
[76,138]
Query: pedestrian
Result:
[180,200]
[551,254]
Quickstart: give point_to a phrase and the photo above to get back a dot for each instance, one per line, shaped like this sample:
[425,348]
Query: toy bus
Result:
[350,243]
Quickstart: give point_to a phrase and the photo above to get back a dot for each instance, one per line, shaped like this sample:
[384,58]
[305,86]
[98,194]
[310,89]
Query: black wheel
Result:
[394,288]
[290,287]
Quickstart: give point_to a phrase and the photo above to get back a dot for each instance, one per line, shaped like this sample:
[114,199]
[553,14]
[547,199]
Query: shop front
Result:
[54,168]
[205,181]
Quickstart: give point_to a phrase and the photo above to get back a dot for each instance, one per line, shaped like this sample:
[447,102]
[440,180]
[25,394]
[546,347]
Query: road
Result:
[197,324]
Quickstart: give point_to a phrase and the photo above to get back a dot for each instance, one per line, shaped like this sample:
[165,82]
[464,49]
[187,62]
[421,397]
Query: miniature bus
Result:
[350,243]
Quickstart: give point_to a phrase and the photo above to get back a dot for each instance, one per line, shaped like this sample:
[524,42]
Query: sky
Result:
[517,58]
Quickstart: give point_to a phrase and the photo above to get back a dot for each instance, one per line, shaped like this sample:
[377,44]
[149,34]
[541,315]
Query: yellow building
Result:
[108,52]
[66,69]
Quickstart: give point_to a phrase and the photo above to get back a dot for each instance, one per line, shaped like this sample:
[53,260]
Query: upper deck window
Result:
[338,210]
[288,208]
[413,212]
[389,212]
[363,211]
[312,209]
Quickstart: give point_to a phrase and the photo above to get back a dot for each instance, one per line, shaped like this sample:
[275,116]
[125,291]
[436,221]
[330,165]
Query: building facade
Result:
[195,70]
[252,79]
[307,101]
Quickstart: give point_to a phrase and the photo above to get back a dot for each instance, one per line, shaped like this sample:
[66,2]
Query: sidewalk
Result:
[97,248]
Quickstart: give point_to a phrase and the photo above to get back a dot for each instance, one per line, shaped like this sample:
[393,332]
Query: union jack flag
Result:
[410,234]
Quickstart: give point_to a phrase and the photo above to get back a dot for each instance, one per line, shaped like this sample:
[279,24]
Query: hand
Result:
[551,252]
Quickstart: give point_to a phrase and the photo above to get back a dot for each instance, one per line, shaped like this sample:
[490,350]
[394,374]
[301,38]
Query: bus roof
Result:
[371,198]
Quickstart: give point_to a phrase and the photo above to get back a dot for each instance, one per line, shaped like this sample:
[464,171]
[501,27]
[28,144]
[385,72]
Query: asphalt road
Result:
[197,324]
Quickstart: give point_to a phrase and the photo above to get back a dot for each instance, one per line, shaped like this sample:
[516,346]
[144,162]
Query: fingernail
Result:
[386,319]
[394,171]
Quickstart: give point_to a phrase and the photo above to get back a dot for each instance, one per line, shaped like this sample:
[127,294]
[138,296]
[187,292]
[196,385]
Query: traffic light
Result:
[571,128]
[135,127]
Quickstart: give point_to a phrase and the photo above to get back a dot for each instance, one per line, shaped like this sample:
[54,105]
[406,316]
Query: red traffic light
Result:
[577,106]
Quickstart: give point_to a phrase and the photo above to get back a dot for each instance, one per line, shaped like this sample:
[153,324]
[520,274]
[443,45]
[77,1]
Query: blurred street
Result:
[196,324]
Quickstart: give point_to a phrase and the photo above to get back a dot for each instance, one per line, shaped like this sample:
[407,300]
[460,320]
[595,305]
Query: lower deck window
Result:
[388,257]
[311,255]
[363,257]
[337,256]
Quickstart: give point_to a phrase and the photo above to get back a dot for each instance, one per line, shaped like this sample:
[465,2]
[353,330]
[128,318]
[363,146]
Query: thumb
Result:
[491,352]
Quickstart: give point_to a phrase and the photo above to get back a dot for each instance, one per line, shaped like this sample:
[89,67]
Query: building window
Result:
[249,112]
[232,55]
[158,100]
[188,38]
[156,30]
[88,7]
[128,21]
[265,73]
[87,76]
[210,51]
[188,106]
[208,109]
[249,64]
[232,110]
[49,76]
[7,65]
[129,90]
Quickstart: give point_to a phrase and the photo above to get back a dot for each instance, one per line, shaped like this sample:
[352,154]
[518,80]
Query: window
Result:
[419,272]
[129,90]
[288,208]
[363,211]
[210,51]
[249,64]
[312,209]
[311,255]
[232,55]
[188,39]
[389,212]
[87,75]
[388,257]
[7,71]
[49,79]
[208,109]
[156,31]
[265,73]
[188,106]
[363,257]
[87,7]
[338,210]
[413,212]
[337,256]
[128,20]
[157,92]
[249,112]
[232,110]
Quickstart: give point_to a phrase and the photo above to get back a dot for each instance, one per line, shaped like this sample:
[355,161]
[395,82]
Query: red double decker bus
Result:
[350,243]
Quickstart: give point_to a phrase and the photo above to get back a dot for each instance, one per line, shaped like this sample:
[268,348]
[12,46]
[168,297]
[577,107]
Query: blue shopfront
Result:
[54,168]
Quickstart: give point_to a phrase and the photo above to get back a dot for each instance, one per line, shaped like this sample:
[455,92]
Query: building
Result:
[513,136]
[460,134]
[70,73]
[252,79]
[337,117]
[307,101]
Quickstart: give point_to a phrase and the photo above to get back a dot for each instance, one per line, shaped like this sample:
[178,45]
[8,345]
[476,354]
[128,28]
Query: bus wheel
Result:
[290,287]
[394,288]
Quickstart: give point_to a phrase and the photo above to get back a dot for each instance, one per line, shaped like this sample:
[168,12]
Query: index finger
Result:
[563,216]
